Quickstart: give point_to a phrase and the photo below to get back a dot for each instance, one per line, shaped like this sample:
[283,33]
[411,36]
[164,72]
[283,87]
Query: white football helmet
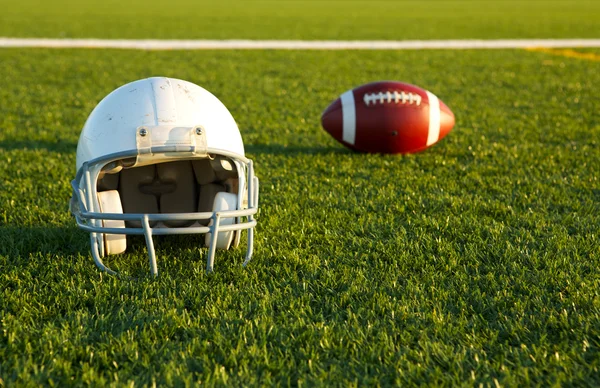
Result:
[163,156]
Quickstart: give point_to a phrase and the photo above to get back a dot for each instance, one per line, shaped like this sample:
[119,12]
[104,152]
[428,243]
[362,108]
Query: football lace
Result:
[389,97]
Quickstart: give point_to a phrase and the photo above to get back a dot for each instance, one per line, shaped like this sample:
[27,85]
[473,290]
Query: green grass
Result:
[306,19]
[476,261]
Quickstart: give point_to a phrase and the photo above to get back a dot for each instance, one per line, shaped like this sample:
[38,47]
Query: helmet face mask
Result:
[160,157]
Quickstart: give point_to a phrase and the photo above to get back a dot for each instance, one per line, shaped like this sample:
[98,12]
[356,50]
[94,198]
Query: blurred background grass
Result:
[303,19]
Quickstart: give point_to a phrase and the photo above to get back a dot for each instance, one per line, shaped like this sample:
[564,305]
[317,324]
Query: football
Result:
[387,117]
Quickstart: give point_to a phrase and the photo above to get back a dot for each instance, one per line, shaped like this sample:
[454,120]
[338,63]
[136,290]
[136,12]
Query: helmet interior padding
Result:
[182,198]
[173,187]
[110,202]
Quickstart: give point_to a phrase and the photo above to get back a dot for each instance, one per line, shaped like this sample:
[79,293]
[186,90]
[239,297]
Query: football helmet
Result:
[162,156]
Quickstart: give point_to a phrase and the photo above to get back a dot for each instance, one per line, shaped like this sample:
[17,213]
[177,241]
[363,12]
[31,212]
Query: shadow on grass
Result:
[278,149]
[23,241]
[52,146]
[28,249]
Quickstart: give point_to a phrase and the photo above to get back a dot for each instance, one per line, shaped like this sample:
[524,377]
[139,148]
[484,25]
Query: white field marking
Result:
[349,117]
[434,119]
[155,44]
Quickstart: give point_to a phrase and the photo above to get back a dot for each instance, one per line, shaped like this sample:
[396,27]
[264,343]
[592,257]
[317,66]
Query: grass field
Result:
[476,261]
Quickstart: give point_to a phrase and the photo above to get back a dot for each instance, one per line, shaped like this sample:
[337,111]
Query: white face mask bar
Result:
[89,218]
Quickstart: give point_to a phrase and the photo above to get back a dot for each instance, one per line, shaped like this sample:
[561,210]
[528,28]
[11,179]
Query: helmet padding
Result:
[110,202]
[223,201]
[172,187]
[182,199]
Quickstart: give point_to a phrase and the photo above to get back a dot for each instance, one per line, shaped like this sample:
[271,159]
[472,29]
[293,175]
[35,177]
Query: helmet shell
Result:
[112,125]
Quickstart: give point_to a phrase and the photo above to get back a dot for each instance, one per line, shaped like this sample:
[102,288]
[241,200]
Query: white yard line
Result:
[155,44]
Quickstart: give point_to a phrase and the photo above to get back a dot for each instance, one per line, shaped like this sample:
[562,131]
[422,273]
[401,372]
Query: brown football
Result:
[388,117]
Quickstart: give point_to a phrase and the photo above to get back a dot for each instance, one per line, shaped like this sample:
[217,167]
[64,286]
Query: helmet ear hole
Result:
[223,168]
[223,201]
[110,202]
[108,182]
